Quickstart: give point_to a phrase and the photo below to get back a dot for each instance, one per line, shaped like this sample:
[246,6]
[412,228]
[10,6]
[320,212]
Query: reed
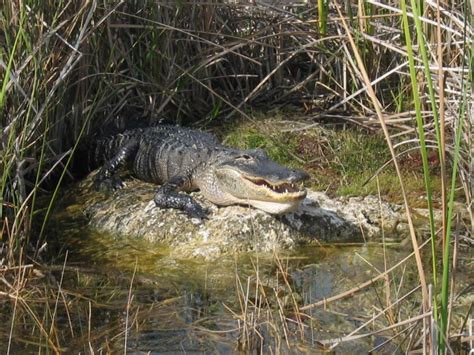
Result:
[323,16]
[447,205]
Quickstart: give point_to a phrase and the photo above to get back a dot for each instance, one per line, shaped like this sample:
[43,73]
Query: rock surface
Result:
[131,213]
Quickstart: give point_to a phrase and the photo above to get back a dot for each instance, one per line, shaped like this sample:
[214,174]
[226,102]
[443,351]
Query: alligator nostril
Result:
[298,175]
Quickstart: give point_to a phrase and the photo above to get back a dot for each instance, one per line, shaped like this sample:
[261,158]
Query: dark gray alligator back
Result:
[168,151]
[163,151]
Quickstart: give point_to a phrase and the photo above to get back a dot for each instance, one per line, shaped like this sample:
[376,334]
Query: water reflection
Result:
[217,306]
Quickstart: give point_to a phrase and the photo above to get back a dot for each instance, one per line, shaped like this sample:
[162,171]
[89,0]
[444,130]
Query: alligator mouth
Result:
[284,189]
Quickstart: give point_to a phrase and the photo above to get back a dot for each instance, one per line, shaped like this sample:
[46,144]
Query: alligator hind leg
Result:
[105,178]
[167,196]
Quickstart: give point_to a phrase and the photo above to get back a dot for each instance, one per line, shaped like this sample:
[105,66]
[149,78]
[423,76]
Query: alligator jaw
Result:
[281,191]
[269,194]
[274,207]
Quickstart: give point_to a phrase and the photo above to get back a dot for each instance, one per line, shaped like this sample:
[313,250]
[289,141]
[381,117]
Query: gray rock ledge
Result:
[129,213]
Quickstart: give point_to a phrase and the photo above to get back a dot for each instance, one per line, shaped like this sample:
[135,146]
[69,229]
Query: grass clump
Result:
[280,149]
[359,153]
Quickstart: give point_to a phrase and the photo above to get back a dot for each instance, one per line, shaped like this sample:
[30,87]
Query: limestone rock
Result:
[130,213]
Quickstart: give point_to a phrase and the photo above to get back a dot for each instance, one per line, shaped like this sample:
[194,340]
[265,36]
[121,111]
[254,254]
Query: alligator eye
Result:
[246,157]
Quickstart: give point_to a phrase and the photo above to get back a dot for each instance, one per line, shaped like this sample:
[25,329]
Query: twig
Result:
[362,285]
[360,336]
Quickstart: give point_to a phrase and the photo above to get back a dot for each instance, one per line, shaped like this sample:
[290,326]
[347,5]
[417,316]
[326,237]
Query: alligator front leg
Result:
[167,196]
[105,178]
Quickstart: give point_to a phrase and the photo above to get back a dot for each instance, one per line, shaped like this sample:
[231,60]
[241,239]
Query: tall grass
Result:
[421,132]
[71,70]
[438,111]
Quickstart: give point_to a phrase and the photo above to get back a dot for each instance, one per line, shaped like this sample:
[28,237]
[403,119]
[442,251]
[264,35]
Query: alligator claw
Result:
[181,202]
[196,211]
[108,185]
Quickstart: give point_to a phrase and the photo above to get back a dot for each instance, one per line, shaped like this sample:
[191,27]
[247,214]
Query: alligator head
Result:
[250,177]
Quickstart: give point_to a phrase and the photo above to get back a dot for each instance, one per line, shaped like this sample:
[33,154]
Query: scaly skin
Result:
[182,159]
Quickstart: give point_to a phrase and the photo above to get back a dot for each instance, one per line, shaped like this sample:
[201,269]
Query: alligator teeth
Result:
[283,189]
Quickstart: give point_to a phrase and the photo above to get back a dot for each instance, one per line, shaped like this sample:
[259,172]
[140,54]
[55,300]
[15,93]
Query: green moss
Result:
[249,137]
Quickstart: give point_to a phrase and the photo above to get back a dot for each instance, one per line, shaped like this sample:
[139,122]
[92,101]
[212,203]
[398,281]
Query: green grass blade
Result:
[447,245]
[6,79]
[426,66]
[421,136]
[323,16]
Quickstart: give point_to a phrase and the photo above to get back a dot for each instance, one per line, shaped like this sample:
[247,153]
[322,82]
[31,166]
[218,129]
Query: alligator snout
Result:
[297,175]
[280,174]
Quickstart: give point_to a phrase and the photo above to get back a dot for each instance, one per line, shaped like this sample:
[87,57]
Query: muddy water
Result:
[237,302]
[127,292]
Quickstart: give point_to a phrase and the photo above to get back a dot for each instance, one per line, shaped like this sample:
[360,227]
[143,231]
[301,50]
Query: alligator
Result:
[184,159]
